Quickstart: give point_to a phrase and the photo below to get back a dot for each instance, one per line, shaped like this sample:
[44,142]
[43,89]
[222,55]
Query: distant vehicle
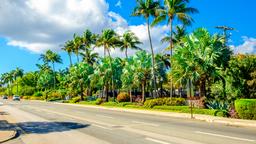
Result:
[5,97]
[16,98]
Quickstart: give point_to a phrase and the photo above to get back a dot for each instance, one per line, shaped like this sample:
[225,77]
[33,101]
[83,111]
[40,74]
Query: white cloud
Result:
[118,4]
[248,47]
[41,25]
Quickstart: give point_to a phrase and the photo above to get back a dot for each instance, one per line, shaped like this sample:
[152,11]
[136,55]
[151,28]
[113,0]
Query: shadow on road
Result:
[40,127]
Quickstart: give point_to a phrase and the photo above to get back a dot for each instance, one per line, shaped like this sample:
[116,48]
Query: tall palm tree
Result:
[69,48]
[52,57]
[129,40]
[179,33]
[175,9]
[17,73]
[147,8]
[108,39]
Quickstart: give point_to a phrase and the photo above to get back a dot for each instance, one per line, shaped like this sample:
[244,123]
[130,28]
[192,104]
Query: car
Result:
[4,97]
[16,98]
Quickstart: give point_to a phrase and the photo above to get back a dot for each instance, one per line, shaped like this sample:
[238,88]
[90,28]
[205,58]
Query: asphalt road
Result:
[49,123]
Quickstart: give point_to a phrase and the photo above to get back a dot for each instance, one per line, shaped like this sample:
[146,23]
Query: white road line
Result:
[101,126]
[225,136]
[155,140]
[104,116]
[145,123]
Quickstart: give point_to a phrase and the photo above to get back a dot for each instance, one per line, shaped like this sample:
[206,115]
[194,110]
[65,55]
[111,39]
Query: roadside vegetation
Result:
[197,70]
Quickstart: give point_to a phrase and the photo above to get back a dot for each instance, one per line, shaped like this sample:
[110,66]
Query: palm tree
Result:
[108,39]
[175,9]
[129,40]
[77,42]
[52,57]
[87,40]
[69,48]
[147,8]
[89,56]
[178,34]
[7,78]
[17,73]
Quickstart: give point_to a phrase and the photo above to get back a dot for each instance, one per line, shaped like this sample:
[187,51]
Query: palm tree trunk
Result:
[112,79]
[82,91]
[171,46]
[143,92]
[153,59]
[126,54]
[70,60]
[54,80]
[17,87]
[130,93]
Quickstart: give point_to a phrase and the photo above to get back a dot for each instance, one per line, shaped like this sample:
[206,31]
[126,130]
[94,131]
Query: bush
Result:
[35,98]
[74,100]
[98,101]
[123,97]
[164,101]
[246,108]
[90,98]
[38,94]
[123,104]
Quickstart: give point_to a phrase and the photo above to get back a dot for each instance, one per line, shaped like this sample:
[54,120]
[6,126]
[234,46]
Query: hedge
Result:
[246,108]
[164,101]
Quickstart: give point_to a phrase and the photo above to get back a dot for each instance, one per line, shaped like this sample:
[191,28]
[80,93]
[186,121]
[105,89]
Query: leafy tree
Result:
[195,60]
[79,77]
[142,73]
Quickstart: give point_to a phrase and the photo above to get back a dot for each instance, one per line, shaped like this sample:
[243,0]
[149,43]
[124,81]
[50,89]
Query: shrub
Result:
[35,98]
[246,108]
[75,100]
[98,101]
[222,108]
[123,104]
[123,97]
[164,101]
[90,98]
[38,94]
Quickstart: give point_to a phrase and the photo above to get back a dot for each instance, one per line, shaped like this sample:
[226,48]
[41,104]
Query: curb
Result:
[10,137]
[206,118]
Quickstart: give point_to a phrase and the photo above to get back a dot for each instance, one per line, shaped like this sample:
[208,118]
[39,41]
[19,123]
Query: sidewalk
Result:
[207,118]
[7,130]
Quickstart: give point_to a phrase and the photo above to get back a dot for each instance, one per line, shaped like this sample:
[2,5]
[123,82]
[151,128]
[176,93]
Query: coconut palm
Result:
[176,9]
[89,56]
[129,40]
[178,34]
[69,48]
[147,8]
[77,43]
[108,39]
[52,57]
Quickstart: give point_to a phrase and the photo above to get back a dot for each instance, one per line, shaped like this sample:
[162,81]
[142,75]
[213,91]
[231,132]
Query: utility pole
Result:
[225,29]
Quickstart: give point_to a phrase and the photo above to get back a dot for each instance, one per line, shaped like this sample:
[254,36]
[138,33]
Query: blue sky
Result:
[24,37]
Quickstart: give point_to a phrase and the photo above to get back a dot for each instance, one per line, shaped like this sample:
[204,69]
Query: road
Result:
[50,123]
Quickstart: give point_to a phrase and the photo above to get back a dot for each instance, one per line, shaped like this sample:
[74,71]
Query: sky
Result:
[30,27]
